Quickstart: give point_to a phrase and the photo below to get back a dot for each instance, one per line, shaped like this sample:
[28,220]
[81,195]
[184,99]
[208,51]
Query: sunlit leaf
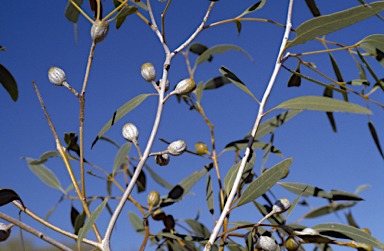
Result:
[7,196]
[376,41]
[316,103]
[216,83]
[46,175]
[295,80]
[375,138]
[8,82]
[327,210]
[218,49]
[136,223]
[50,211]
[253,8]
[313,8]
[329,23]
[158,179]
[44,157]
[361,188]
[264,182]
[234,79]
[314,238]
[140,4]
[375,52]
[332,229]
[123,13]
[293,204]
[121,112]
[121,157]
[230,177]
[71,13]
[209,194]
[91,220]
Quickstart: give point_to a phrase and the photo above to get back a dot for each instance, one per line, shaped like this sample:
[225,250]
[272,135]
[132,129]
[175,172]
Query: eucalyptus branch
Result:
[35,232]
[267,92]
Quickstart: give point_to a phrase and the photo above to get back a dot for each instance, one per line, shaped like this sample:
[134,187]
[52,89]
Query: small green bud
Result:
[148,72]
[153,198]
[99,31]
[292,243]
[201,148]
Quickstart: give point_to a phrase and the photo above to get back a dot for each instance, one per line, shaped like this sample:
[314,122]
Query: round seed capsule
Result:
[201,148]
[130,132]
[292,243]
[281,206]
[266,243]
[99,31]
[56,76]
[185,87]
[153,198]
[148,72]
[177,148]
[4,232]
[162,160]
[158,215]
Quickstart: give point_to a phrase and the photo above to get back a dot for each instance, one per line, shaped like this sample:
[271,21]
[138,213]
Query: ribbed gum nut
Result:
[99,31]
[166,84]
[148,72]
[281,206]
[169,222]
[162,160]
[201,148]
[56,76]
[291,243]
[177,148]
[158,215]
[4,232]
[309,231]
[130,132]
[266,243]
[153,198]
[185,87]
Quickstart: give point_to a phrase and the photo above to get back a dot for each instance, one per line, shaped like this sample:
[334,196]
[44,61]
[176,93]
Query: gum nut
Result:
[158,215]
[56,76]
[162,160]
[266,243]
[166,84]
[185,87]
[291,243]
[281,206]
[99,31]
[201,148]
[148,72]
[153,198]
[309,231]
[130,132]
[177,148]
[4,232]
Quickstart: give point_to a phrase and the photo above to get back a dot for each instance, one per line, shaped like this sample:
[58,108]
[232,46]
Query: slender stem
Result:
[162,18]
[116,9]
[267,92]
[81,11]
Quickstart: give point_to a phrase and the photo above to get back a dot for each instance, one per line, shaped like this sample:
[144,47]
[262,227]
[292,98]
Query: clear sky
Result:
[37,36]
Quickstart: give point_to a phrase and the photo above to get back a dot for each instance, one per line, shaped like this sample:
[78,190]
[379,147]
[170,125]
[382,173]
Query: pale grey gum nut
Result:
[130,132]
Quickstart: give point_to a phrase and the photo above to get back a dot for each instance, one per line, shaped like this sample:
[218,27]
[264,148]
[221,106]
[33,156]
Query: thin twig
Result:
[267,92]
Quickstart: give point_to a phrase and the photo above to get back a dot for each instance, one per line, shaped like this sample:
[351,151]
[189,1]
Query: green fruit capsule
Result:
[153,198]
[169,222]
[201,148]
[292,243]
[158,215]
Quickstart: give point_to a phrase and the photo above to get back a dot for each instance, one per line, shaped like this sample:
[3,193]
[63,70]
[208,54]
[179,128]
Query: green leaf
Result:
[295,80]
[313,8]
[79,222]
[121,112]
[8,82]
[341,195]
[370,70]
[323,25]
[218,49]
[376,41]
[238,27]
[374,52]
[91,220]
[253,8]
[50,211]
[123,13]
[46,175]
[242,144]
[199,91]
[326,104]
[7,196]
[158,179]
[327,210]
[121,157]
[140,4]
[375,138]
[71,13]
[209,194]
[198,49]
[293,205]
[216,83]
[199,229]
[361,188]
[136,223]
[314,238]
[74,215]
[350,219]
[230,177]
[264,182]
[351,232]
[329,93]
[338,75]
[234,79]
[44,157]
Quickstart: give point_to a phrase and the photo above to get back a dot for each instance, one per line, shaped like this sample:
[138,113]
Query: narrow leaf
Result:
[136,223]
[44,157]
[50,211]
[199,229]
[123,13]
[350,219]
[351,232]
[327,210]
[374,52]
[140,4]
[199,91]
[313,8]
[121,112]
[71,13]
[294,203]
[234,79]
[339,77]
[238,27]
[323,25]
[376,41]
[232,173]
[209,194]
[253,8]
[264,182]
[370,70]
[7,196]
[316,103]
[298,188]
[46,175]
[295,80]
[91,220]
[361,188]
[329,93]
[8,82]
[158,179]
[375,138]
[216,83]
[242,144]
[198,49]
[218,49]
[121,157]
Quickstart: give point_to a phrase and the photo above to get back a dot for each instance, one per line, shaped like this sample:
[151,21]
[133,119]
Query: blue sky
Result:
[37,36]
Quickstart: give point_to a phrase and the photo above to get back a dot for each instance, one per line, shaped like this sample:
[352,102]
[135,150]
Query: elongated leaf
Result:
[329,23]
[8,82]
[313,8]
[209,194]
[232,173]
[375,138]
[339,77]
[264,182]
[46,175]
[351,232]
[91,220]
[374,52]
[350,219]
[376,41]
[361,188]
[158,179]
[7,196]
[136,223]
[370,70]
[234,79]
[327,210]
[79,222]
[140,4]
[253,8]
[199,91]
[329,93]
[341,195]
[242,144]
[71,13]
[44,157]
[216,83]
[74,215]
[295,80]
[238,27]
[123,13]
[326,104]
[314,238]
[120,157]
[50,211]
[218,49]
[121,112]
[199,229]
[293,205]
[198,49]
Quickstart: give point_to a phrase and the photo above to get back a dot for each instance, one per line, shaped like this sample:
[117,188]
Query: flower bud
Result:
[99,31]
[292,243]
[169,222]
[158,215]
[281,206]
[201,148]
[56,76]
[4,232]
[162,160]
[177,148]
[166,85]
[185,87]
[148,72]
[130,132]
[266,243]
[309,231]
[153,198]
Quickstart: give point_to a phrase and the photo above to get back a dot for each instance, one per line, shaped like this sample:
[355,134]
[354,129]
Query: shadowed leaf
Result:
[136,223]
[198,49]
[313,8]
[375,52]
[238,27]
[339,77]
[370,70]
[216,83]
[123,13]
[71,13]
[199,229]
[242,144]
[295,80]
[234,79]
[209,194]
[8,82]
[7,196]
[350,219]
[329,93]
[253,8]
[218,49]
[44,157]
[329,23]
[375,138]
[326,104]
